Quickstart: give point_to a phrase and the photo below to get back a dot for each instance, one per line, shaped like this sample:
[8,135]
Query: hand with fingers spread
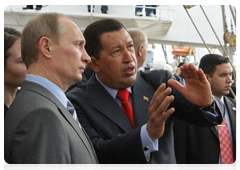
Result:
[157,112]
[197,89]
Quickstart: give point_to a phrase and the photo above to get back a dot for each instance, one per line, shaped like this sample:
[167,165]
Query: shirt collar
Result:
[53,88]
[222,99]
[111,91]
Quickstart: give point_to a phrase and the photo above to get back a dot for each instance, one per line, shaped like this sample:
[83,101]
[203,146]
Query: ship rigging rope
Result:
[217,38]
[207,46]
[197,29]
[234,16]
[236,11]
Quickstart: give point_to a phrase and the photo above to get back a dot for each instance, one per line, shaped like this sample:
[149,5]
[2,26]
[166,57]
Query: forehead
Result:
[16,47]
[70,28]
[116,38]
[224,67]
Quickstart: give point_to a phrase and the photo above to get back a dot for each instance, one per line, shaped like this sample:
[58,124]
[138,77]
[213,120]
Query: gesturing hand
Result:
[197,89]
[157,112]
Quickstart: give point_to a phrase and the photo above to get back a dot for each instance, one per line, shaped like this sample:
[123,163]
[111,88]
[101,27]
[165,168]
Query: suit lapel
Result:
[47,94]
[113,111]
[63,111]
[106,105]
[81,132]
[142,97]
[214,130]
[231,106]
[233,117]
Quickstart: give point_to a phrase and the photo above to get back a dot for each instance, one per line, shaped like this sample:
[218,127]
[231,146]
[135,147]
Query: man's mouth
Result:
[130,70]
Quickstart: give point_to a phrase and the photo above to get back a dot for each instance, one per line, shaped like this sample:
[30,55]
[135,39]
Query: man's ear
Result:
[45,46]
[140,50]
[94,64]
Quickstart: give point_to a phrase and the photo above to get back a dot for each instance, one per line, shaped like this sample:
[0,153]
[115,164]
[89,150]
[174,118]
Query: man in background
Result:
[179,76]
[204,145]
[41,126]
[140,43]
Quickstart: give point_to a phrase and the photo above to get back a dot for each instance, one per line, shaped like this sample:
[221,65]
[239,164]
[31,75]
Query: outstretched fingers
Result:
[163,107]
[156,121]
[202,76]
[189,71]
[159,97]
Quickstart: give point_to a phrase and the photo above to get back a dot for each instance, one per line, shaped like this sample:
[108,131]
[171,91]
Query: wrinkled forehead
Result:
[115,38]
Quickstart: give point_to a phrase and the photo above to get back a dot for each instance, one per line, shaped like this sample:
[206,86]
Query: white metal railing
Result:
[125,13]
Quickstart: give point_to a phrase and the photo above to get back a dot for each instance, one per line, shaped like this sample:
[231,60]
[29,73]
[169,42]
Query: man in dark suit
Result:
[195,145]
[42,126]
[144,134]
[178,74]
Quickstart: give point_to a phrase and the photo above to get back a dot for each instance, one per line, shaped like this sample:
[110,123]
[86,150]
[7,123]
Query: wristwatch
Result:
[209,108]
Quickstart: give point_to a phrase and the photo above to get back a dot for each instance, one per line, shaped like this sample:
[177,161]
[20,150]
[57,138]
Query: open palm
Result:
[197,89]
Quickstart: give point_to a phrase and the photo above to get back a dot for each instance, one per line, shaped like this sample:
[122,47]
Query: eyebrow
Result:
[119,46]
[226,73]
[130,42]
[81,41]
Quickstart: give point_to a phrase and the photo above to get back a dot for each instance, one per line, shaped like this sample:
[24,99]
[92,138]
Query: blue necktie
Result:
[72,111]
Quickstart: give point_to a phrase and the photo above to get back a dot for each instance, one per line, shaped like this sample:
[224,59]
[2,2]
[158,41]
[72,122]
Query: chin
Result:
[77,79]
[131,81]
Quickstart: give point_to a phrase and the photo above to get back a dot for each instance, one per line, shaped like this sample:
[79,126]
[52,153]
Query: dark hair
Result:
[209,62]
[93,32]
[181,64]
[10,36]
[43,25]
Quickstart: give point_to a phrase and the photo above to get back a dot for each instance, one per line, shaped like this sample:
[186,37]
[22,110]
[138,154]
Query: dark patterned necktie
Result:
[72,111]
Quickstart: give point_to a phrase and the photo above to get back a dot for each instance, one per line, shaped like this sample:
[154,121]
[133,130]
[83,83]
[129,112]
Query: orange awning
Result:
[183,51]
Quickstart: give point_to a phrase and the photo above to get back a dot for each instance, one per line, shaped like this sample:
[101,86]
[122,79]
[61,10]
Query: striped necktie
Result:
[72,111]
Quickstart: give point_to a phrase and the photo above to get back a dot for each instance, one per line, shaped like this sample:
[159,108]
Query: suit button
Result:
[146,148]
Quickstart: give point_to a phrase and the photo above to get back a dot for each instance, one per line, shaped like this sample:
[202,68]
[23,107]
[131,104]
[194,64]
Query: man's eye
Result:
[116,51]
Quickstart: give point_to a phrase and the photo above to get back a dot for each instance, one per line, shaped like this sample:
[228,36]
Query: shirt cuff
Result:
[147,144]
[211,116]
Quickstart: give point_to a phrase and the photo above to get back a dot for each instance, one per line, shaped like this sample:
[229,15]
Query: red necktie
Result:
[123,95]
[225,143]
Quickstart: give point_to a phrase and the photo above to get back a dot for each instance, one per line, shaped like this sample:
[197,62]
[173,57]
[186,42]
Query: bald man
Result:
[140,43]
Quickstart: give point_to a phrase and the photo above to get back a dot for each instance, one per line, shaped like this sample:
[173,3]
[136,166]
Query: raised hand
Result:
[197,89]
[157,112]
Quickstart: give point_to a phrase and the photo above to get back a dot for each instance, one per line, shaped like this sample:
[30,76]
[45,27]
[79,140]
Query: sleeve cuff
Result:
[148,145]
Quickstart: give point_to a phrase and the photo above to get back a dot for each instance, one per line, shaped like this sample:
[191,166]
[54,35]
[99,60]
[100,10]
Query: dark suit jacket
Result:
[39,129]
[176,77]
[5,110]
[112,135]
[195,145]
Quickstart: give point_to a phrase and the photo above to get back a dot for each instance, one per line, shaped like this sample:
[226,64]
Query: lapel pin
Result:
[145,98]
[234,108]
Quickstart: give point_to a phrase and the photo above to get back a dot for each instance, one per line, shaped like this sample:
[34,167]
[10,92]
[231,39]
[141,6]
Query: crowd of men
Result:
[118,115]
